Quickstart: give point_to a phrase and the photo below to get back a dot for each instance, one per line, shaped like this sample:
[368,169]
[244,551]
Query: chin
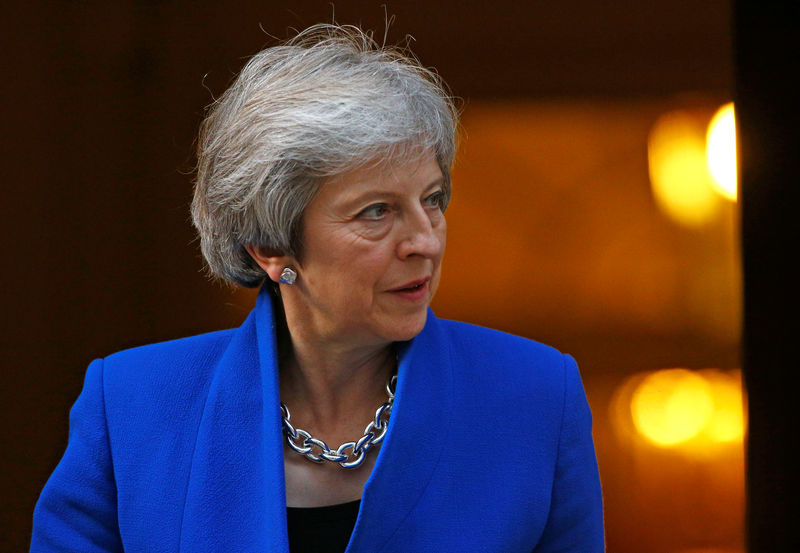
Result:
[408,327]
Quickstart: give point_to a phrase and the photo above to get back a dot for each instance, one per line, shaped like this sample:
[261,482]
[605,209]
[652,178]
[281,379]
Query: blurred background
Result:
[594,209]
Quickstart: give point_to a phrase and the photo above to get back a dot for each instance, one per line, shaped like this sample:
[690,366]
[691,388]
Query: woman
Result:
[324,172]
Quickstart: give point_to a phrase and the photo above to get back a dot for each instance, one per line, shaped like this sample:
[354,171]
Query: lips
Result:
[412,286]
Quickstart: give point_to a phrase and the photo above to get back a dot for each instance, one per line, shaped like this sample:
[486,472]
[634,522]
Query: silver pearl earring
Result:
[288,276]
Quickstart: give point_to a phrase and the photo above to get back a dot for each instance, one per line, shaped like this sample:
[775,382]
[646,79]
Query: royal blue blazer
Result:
[177,447]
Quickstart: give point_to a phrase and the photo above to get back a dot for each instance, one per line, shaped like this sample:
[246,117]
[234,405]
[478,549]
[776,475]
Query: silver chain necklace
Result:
[373,435]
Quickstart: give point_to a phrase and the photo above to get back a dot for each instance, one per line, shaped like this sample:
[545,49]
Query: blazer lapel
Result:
[413,444]
[236,499]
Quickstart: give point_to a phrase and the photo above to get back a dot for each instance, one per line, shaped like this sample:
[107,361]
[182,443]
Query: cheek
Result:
[373,267]
[441,237]
[355,270]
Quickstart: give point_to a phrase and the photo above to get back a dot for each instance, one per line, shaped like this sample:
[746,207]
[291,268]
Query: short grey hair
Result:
[328,101]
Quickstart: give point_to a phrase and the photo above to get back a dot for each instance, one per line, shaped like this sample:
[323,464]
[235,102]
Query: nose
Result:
[422,235]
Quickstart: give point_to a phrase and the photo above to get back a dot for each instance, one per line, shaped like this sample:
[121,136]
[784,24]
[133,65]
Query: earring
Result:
[288,276]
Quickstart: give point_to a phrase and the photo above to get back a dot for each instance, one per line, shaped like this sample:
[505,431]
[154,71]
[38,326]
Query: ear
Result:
[271,260]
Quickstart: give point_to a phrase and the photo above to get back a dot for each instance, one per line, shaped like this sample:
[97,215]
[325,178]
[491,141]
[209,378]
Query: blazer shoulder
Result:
[480,341]
[509,367]
[166,364]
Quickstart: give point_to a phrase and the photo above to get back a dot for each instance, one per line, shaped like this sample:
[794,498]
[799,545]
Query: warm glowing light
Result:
[699,412]
[679,174]
[726,424]
[672,406]
[721,151]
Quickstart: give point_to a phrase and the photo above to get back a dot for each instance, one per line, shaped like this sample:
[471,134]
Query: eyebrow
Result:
[438,182]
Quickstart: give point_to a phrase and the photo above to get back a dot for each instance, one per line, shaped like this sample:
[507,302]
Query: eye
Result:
[435,200]
[375,212]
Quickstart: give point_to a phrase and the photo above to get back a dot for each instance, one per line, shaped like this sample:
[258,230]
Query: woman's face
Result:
[373,241]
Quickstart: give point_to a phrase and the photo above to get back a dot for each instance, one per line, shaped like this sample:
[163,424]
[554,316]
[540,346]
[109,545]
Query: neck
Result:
[328,384]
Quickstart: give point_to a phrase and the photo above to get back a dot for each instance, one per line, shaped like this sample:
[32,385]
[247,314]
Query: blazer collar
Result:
[236,497]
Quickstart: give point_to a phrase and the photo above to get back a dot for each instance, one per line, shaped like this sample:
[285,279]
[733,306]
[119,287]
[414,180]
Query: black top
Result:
[321,529]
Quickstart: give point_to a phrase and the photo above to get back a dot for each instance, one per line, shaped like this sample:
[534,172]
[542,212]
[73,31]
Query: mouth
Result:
[412,286]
